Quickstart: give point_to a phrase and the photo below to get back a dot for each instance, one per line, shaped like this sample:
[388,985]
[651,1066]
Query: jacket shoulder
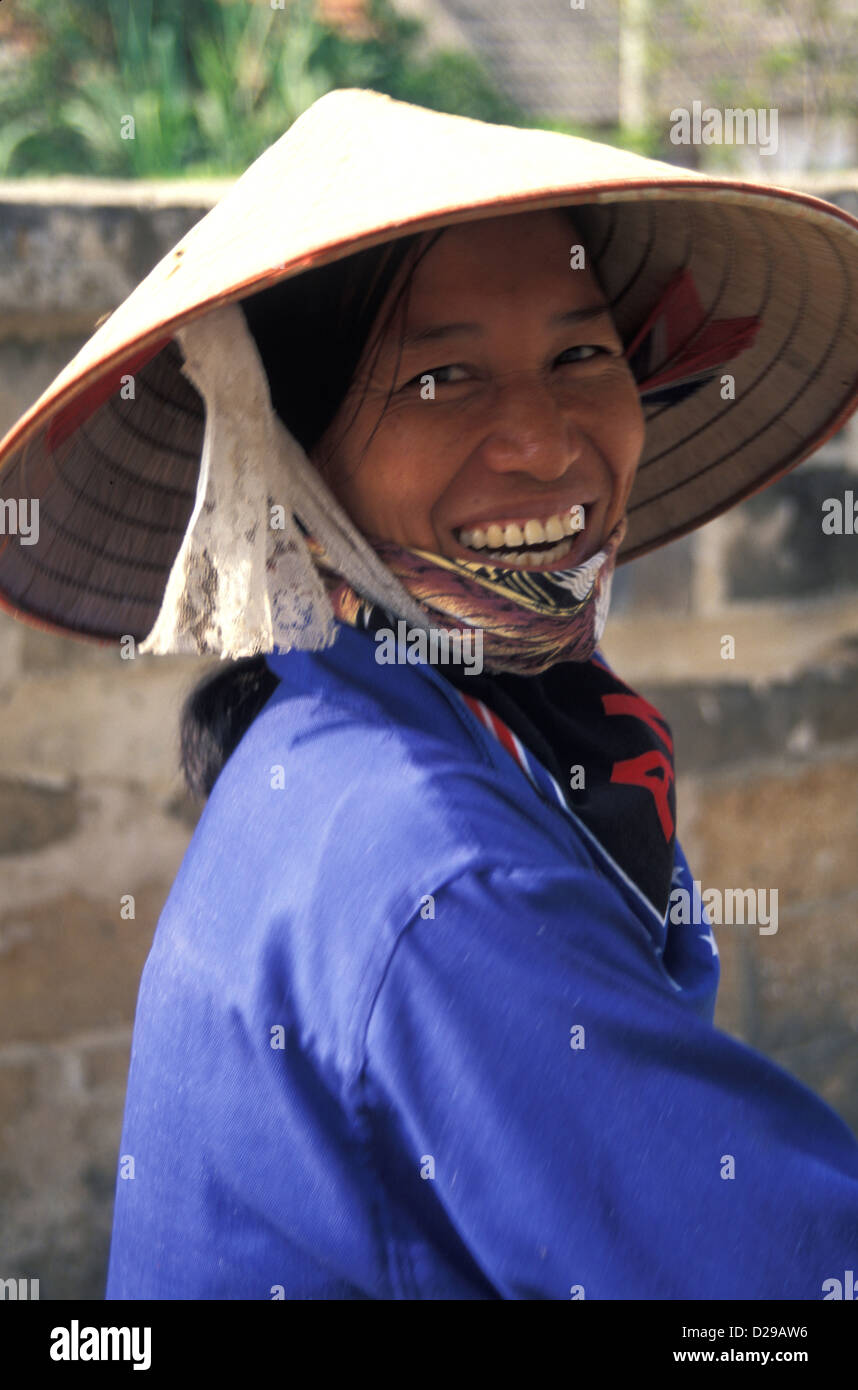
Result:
[381,786]
[334,820]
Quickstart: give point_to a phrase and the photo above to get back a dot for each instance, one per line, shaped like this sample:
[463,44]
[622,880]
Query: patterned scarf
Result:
[527,621]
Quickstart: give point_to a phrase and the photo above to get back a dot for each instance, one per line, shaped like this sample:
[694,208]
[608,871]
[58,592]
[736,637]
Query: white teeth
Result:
[535,532]
[535,558]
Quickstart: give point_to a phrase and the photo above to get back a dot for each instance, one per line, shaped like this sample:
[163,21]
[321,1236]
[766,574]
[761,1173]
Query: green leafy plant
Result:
[209,83]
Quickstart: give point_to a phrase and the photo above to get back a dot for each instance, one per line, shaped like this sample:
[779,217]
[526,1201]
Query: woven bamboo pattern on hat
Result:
[116,478]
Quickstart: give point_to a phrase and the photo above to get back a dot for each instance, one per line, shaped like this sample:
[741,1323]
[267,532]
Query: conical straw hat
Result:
[755,281]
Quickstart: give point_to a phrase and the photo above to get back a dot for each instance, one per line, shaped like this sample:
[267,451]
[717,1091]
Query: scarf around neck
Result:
[525,622]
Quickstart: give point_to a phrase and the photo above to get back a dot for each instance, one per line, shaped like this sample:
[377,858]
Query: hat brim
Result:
[115,474]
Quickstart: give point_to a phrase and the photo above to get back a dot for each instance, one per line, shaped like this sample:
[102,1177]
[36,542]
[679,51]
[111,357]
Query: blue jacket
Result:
[405,1032]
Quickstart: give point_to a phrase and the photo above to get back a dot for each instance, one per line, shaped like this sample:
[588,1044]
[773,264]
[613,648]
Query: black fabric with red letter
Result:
[608,748]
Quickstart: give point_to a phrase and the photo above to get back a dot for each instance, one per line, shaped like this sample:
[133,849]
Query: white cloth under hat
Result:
[243,581]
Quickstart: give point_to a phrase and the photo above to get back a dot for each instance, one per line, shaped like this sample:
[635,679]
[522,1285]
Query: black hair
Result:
[311,331]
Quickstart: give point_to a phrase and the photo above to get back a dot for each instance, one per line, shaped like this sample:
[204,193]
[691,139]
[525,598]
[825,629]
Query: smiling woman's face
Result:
[535,411]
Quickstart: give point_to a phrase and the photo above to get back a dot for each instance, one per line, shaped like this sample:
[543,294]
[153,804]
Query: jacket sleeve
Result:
[582,1132]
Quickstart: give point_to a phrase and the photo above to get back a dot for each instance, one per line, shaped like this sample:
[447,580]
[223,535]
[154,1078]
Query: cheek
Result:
[390,483]
[411,455]
[622,429]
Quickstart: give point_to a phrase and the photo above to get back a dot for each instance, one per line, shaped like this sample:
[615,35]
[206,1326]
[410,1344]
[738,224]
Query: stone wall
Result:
[92,809]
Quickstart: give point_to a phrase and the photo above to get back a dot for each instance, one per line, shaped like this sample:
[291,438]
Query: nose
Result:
[529,431]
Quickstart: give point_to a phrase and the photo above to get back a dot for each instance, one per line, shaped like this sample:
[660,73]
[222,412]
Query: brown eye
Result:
[590,348]
[437,374]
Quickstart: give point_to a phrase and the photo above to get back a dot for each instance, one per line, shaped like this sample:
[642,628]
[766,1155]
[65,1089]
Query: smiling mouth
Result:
[532,542]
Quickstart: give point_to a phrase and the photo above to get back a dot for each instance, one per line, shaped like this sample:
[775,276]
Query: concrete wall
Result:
[92,808]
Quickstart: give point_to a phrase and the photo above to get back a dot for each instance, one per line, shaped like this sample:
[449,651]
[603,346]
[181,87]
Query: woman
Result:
[417,1022]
